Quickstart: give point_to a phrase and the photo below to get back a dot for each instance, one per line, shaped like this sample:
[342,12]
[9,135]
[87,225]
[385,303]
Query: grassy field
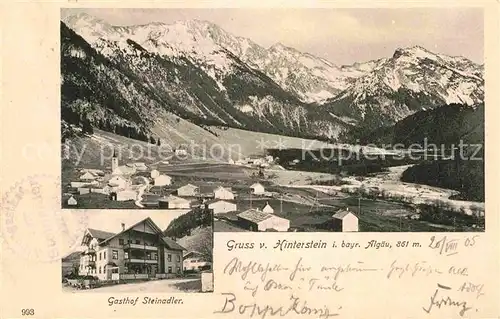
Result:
[100,201]
[375,216]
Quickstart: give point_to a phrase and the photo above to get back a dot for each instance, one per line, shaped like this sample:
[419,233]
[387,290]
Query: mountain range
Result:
[131,80]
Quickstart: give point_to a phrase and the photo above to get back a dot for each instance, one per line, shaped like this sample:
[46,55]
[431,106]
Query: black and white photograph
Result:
[150,251]
[275,120]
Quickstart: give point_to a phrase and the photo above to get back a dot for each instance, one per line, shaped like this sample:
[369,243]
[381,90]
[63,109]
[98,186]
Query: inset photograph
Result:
[147,251]
[275,129]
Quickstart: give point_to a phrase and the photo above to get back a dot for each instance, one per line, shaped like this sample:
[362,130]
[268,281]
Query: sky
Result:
[111,220]
[341,36]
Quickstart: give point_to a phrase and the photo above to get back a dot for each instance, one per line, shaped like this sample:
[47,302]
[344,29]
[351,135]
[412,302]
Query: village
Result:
[239,203]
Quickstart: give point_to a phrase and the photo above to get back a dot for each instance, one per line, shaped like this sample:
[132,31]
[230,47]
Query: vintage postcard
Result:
[215,160]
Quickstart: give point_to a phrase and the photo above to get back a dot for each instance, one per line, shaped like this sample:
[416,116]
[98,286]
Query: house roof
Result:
[124,170]
[189,186]
[256,185]
[172,198]
[341,214]
[192,252]
[172,244]
[254,215]
[223,188]
[266,205]
[148,219]
[215,200]
[100,234]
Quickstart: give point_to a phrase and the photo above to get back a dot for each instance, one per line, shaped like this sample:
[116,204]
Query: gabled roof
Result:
[256,185]
[192,252]
[341,214]
[254,215]
[172,244]
[100,234]
[223,188]
[172,198]
[189,186]
[266,205]
[215,200]
[151,223]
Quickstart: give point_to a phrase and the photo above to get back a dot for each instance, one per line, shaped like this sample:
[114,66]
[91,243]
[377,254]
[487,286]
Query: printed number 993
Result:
[28,312]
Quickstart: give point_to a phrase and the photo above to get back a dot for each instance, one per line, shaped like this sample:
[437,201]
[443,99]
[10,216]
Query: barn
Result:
[221,206]
[256,220]
[344,221]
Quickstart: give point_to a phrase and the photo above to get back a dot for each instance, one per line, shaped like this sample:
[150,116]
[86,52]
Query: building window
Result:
[148,256]
[178,270]
[99,269]
[104,255]
[125,255]
[115,254]
[155,256]
[169,258]
[100,253]
[129,241]
[121,241]
[138,242]
[178,258]
[169,270]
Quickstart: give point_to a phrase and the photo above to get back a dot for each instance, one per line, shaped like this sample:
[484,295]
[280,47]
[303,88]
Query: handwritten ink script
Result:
[267,287]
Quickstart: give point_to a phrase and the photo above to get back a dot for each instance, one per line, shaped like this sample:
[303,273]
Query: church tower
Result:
[114,162]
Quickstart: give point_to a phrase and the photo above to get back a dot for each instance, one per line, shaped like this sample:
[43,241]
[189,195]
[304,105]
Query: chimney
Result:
[123,226]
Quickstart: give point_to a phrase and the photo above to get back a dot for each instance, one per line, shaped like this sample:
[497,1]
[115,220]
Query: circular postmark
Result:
[34,226]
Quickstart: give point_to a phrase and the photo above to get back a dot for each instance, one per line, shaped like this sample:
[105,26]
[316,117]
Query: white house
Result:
[155,173]
[162,180]
[344,221]
[88,176]
[128,169]
[223,193]
[125,195]
[257,188]
[195,261]
[118,182]
[188,190]
[256,220]
[174,202]
[72,201]
[221,206]
[268,209]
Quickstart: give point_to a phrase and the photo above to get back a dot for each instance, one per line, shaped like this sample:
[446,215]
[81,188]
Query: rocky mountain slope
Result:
[122,84]
[129,79]
[413,79]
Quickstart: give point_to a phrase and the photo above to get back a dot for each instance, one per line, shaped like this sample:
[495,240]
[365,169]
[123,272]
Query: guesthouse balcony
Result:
[141,261]
[91,264]
[139,246]
[90,251]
